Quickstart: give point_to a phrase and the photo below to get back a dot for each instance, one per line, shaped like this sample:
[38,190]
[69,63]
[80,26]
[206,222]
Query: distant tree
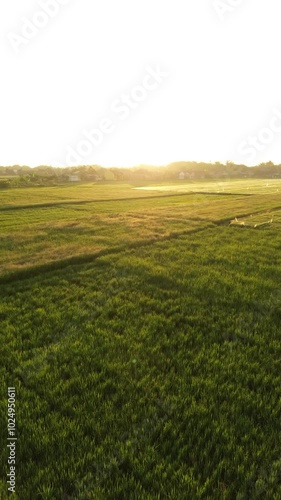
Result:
[267,164]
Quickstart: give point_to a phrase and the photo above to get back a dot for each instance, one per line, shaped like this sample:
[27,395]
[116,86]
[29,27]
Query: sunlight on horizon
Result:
[165,83]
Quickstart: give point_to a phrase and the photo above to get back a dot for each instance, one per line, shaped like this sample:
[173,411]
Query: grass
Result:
[68,193]
[242,186]
[149,368]
[37,236]
[118,190]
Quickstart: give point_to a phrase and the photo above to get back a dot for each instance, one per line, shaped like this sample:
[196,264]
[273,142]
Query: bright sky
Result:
[127,82]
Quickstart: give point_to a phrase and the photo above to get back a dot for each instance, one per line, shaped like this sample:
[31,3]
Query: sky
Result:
[127,82]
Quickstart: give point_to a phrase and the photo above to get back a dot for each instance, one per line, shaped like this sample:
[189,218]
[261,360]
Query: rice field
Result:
[142,337]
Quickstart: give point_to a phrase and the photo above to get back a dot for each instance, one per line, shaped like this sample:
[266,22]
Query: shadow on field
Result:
[111,200]
[88,258]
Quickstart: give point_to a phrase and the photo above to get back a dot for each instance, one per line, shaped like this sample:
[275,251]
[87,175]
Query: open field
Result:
[246,186]
[118,190]
[67,193]
[87,219]
[143,339]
